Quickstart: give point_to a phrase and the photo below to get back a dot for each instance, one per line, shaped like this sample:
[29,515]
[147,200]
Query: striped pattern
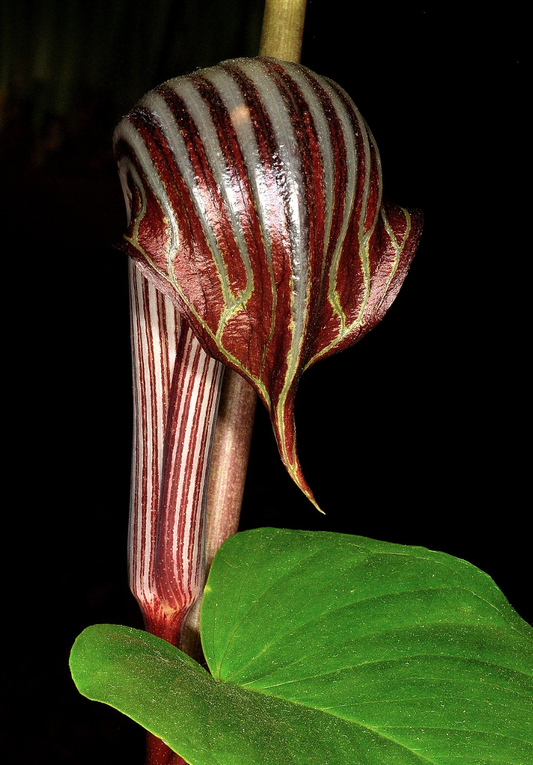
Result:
[255,189]
[176,389]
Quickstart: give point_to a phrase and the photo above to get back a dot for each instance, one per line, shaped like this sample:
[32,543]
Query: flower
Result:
[256,205]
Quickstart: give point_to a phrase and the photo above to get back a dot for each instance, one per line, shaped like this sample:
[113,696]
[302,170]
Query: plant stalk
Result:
[282,31]
[231,448]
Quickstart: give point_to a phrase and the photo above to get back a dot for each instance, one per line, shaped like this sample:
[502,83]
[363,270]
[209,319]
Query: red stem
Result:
[229,462]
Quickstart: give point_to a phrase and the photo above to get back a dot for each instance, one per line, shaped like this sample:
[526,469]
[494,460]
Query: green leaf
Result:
[333,649]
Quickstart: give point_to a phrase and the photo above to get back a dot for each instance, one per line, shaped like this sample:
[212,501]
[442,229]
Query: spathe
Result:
[255,193]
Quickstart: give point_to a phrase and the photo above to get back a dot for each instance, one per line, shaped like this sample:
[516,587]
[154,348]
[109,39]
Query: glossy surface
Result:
[256,205]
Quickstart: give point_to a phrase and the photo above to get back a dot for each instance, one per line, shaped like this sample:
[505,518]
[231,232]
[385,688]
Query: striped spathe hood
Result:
[254,193]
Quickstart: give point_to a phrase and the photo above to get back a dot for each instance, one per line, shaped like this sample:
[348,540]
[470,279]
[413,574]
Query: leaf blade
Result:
[352,669]
[406,620]
[173,699]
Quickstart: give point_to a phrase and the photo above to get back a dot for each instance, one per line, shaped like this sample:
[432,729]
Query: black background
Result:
[417,435]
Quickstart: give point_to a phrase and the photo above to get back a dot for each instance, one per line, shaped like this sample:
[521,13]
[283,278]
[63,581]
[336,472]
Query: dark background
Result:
[418,435]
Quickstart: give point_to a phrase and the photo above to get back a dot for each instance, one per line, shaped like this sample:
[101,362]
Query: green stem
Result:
[283,26]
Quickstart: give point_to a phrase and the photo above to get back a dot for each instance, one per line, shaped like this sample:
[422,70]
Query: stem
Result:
[230,459]
[283,26]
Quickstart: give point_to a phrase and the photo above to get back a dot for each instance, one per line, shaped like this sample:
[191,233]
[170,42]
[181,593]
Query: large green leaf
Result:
[334,649]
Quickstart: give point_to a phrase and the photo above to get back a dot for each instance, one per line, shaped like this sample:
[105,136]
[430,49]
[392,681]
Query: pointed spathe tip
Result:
[282,418]
[295,472]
